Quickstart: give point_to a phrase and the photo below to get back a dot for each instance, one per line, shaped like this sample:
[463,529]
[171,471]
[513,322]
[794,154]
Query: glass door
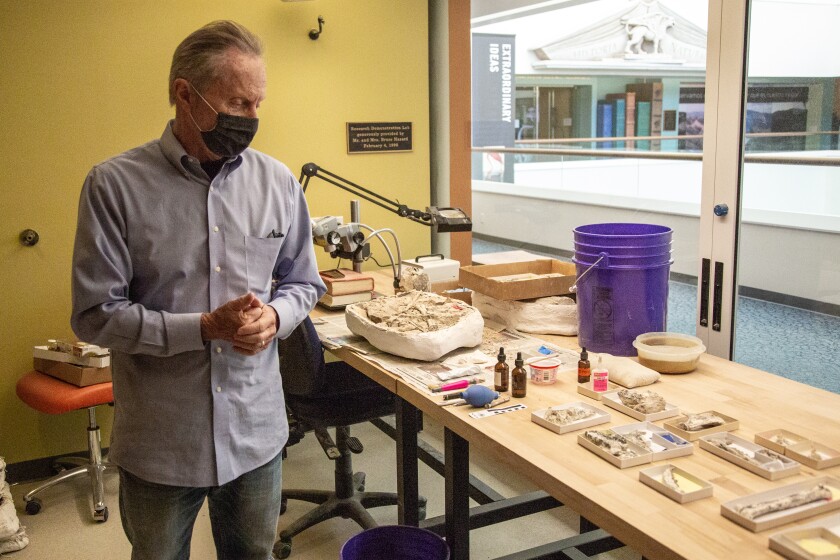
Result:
[770,295]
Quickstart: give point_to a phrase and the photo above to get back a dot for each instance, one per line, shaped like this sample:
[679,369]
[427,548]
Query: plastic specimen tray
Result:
[731,509]
[729,425]
[767,463]
[612,400]
[653,478]
[661,443]
[599,417]
[642,455]
[808,452]
[800,543]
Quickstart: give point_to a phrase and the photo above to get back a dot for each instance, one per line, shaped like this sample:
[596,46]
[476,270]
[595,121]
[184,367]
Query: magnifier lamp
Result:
[348,241]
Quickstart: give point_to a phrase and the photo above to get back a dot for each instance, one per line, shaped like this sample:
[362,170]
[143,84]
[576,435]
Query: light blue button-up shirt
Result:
[157,244]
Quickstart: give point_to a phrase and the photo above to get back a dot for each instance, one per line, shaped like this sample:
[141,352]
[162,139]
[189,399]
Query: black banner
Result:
[493,90]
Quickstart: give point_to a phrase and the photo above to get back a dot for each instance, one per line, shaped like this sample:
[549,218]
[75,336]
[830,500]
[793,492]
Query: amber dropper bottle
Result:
[519,377]
[501,377]
[584,368]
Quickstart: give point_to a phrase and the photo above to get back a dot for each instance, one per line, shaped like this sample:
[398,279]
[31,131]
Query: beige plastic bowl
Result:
[669,352]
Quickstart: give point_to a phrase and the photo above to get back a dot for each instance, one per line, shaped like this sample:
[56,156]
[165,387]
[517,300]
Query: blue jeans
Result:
[158,519]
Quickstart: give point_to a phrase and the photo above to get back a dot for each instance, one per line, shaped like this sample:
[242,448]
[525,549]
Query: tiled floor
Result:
[788,341]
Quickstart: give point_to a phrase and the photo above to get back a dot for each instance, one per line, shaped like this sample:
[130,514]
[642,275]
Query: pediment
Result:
[679,40]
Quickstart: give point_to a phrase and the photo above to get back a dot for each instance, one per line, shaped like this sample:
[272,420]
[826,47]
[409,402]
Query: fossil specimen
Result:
[669,480]
[565,416]
[694,422]
[782,440]
[646,402]
[415,312]
[613,443]
[815,494]
[640,438]
[776,460]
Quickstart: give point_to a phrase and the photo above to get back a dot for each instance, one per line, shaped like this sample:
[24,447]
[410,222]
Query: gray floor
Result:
[811,349]
[65,530]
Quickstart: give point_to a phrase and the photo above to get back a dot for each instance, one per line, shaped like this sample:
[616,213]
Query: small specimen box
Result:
[612,400]
[691,487]
[817,543]
[587,390]
[594,416]
[809,453]
[818,540]
[751,456]
[734,509]
[661,443]
[675,425]
[622,452]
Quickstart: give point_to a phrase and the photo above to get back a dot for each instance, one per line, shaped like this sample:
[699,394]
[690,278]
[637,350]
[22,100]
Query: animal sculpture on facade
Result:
[651,27]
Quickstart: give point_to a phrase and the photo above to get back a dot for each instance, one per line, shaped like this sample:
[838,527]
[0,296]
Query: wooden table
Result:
[614,499]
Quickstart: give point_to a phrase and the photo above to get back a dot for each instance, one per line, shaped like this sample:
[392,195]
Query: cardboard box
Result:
[71,373]
[521,280]
[452,289]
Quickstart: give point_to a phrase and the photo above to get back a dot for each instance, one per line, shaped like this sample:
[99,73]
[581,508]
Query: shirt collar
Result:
[182,161]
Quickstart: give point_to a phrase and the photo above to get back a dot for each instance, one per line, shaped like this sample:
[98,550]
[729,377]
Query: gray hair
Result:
[197,57]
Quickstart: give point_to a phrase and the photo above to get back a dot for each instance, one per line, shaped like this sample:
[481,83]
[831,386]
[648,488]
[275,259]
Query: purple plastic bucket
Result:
[622,235]
[395,542]
[622,296]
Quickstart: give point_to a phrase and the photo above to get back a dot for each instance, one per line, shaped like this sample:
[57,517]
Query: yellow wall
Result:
[84,80]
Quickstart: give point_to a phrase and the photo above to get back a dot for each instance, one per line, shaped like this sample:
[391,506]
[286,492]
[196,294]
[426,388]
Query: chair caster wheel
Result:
[100,515]
[33,506]
[282,548]
[284,503]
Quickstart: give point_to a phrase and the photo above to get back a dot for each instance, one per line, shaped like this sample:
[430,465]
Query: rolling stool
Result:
[53,396]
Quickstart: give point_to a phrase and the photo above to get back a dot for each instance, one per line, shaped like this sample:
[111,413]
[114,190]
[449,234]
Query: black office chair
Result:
[321,395]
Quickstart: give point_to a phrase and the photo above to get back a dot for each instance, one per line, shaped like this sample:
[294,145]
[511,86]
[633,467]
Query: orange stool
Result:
[53,396]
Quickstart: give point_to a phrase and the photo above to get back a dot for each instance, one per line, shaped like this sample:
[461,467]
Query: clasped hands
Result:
[245,321]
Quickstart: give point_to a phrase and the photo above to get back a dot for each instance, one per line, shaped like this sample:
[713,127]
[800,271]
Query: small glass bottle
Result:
[519,377]
[600,378]
[584,370]
[501,377]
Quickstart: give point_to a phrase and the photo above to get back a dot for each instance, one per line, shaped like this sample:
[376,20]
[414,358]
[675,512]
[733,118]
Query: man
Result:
[193,254]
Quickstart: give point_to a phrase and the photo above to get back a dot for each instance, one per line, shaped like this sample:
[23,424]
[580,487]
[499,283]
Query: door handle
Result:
[717,302]
[704,293]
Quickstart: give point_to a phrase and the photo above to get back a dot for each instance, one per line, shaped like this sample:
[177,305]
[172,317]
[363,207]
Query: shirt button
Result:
[211,189]
[218,389]
[218,269]
[218,349]
[216,229]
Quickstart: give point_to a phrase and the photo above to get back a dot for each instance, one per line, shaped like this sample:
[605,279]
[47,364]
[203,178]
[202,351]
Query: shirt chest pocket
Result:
[260,258]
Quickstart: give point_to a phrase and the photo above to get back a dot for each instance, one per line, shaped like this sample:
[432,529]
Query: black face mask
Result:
[231,135]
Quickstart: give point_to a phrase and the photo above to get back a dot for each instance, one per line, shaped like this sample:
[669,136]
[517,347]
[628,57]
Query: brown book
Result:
[339,302]
[630,117]
[342,281]
[653,93]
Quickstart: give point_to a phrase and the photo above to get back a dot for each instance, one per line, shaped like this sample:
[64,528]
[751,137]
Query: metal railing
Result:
[778,157]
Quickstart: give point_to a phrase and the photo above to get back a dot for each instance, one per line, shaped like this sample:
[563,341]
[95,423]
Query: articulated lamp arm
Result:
[440,219]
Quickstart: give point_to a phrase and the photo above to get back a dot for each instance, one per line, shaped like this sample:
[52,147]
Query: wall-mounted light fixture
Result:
[315,33]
